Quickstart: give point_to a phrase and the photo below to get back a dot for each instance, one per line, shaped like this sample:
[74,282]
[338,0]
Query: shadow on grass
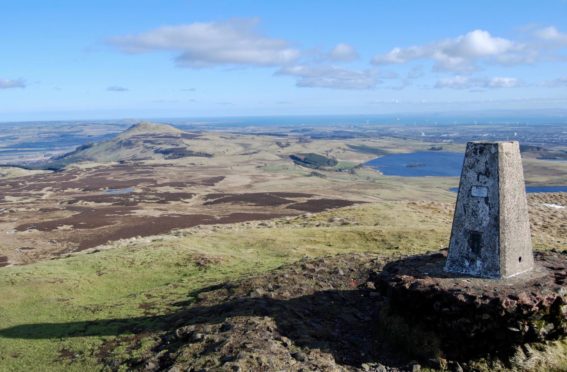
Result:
[340,322]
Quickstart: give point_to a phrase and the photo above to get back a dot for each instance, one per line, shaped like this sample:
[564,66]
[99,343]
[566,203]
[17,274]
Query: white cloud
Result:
[462,52]
[233,42]
[457,82]
[502,82]
[415,73]
[465,82]
[116,88]
[388,75]
[552,35]
[330,77]
[343,52]
[556,83]
[12,83]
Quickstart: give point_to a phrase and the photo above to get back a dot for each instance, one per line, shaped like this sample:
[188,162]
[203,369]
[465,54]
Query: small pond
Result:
[127,190]
[530,189]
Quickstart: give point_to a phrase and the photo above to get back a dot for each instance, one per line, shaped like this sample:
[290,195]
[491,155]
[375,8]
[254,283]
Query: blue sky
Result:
[116,59]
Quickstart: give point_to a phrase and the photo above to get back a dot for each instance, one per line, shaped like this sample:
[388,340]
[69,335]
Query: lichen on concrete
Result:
[490,236]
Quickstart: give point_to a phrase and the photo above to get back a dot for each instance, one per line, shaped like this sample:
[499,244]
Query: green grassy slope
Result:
[57,314]
[136,143]
[70,313]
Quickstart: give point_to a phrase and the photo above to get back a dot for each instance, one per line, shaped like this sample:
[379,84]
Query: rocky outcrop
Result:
[473,316]
[324,314]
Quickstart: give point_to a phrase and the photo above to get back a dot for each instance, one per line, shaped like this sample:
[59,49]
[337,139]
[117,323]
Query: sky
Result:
[66,60]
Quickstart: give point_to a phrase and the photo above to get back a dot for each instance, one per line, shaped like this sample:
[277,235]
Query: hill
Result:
[286,294]
[312,160]
[142,141]
[538,152]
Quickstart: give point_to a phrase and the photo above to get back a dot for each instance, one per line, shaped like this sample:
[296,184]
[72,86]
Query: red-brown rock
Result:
[472,316]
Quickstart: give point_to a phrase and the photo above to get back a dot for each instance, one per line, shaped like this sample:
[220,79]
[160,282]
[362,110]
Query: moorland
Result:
[111,249]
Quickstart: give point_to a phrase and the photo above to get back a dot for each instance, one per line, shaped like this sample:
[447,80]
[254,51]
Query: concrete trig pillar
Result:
[491,236]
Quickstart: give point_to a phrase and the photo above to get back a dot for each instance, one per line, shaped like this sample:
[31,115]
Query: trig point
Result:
[491,236]
[490,239]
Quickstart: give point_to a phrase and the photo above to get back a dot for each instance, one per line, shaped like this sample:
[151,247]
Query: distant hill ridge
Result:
[142,141]
[146,127]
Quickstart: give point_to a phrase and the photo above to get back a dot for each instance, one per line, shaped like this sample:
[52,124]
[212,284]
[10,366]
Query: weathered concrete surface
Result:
[473,316]
[491,236]
[474,246]
[516,254]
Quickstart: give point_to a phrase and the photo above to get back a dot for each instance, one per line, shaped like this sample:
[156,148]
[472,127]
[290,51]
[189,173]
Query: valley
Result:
[125,240]
[152,179]
[234,186]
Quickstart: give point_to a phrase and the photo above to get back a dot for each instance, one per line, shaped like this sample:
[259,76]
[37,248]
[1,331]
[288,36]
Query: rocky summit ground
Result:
[284,294]
[312,315]
[475,316]
[315,315]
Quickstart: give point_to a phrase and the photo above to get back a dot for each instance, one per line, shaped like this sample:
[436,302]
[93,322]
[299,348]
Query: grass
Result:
[12,172]
[114,284]
[44,307]
[345,165]
[545,172]
[312,160]
[58,314]
[369,149]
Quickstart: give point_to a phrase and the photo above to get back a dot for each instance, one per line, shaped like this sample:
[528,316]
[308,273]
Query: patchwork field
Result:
[106,263]
[154,178]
